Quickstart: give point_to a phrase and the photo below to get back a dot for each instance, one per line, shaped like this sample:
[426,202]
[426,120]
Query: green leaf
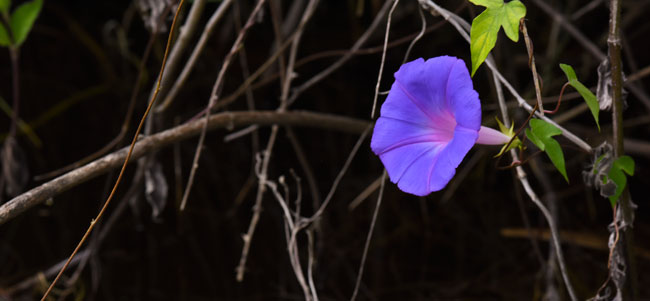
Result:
[541,133]
[485,27]
[23,18]
[586,94]
[4,37]
[4,6]
[623,165]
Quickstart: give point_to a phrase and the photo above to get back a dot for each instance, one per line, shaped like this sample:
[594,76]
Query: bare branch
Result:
[187,69]
[230,120]
[357,45]
[266,156]
[214,96]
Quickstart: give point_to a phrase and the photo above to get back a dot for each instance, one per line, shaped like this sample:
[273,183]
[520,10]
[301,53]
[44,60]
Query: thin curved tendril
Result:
[126,160]
[530,116]
[559,100]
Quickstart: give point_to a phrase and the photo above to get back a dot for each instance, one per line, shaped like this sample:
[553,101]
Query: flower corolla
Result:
[428,123]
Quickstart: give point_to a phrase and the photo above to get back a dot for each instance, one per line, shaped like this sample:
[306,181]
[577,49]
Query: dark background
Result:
[76,81]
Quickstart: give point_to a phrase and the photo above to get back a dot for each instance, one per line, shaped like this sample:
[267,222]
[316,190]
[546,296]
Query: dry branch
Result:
[151,143]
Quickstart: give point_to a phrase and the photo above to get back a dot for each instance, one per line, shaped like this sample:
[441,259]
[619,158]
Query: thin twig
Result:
[365,193]
[58,185]
[214,96]
[551,201]
[250,104]
[419,36]
[572,30]
[266,157]
[411,38]
[506,121]
[383,59]
[585,9]
[340,175]
[257,208]
[501,100]
[51,271]
[185,34]
[357,45]
[551,224]
[275,21]
[189,65]
[292,247]
[306,167]
[126,160]
[368,238]
[320,55]
[559,99]
[309,221]
[310,262]
[127,116]
[532,66]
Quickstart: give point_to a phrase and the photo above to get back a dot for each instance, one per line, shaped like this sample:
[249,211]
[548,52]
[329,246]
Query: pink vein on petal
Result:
[427,138]
[431,125]
[447,85]
[412,162]
[412,99]
[433,165]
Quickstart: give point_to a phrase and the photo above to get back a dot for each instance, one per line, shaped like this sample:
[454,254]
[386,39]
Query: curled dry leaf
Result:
[604,87]
[603,159]
[14,167]
[150,12]
[156,188]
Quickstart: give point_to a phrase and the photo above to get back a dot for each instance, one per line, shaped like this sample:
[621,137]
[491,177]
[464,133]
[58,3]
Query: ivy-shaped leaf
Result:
[623,165]
[485,27]
[23,18]
[586,94]
[541,133]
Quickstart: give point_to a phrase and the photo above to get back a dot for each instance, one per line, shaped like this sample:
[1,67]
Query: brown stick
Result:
[39,194]
[624,208]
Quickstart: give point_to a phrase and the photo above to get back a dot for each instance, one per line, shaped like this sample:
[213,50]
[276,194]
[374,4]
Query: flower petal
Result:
[428,123]
[450,157]
[399,143]
[390,133]
[409,165]
[463,99]
[490,136]
[419,92]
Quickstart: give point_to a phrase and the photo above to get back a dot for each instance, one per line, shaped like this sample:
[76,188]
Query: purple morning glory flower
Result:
[428,123]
